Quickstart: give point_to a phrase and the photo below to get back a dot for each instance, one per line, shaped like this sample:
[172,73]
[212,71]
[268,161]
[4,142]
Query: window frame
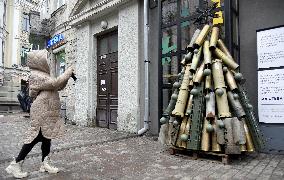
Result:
[3,52]
[232,11]
[58,5]
[57,62]
[227,9]
[26,26]
[4,13]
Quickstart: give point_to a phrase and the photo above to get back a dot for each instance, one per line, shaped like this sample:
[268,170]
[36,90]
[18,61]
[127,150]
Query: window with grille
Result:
[4,14]
[26,22]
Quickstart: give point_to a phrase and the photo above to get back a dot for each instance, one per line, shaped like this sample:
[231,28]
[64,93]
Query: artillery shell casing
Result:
[220,134]
[181,131]
[236,105]
[189,105]
[187,127]
[195,60]
[231,80]
[171,105]
[214,38]
[199,74]
[191,83]
[210,106]
[186,61]
[242,133]
[184,129]
[215,146]
[243,148]
[186,80]
[205,141]
[190,47]
[183,94]
[226,59]
[249,143]
[207,53]
[202,36]
[163,135]
[222,105]
[223,48]
[231,147]
[218,76]
[180,104]
[183,62]
[208,82]
[171,130]
[237,131]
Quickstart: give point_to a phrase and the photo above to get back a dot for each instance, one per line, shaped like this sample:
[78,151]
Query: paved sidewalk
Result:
[96,153]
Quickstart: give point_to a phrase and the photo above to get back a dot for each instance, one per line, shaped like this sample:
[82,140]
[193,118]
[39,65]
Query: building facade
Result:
[104,40]
[21,32]
[266,14]
[95,35]
[62,48]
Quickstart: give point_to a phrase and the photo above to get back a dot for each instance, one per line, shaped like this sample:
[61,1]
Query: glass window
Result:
[185,34]
[169,11]
[3,52]
[103,46]
[235,29]
[107,44]
[4,14]
[188,7]
[177,29]
[167,93]
[169,41]
[170,69]
[60,63]
[24,51]
[37,41]
[236,55]
[60,3]
[235,4]
[26,22]
[113,43]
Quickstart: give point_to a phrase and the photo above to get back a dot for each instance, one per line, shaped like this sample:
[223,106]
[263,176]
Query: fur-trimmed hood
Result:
[37,60]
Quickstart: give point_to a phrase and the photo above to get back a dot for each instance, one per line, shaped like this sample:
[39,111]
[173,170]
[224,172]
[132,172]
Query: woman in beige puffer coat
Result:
[46,123]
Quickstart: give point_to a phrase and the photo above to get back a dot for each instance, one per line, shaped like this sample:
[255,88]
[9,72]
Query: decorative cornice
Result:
[94,10]
[60,9]
[4,32]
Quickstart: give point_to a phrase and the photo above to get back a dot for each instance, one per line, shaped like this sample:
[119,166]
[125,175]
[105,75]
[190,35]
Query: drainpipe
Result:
[146,66]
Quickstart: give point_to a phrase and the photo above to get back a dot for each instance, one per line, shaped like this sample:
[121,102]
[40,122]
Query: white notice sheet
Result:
[270,47]
[271,96]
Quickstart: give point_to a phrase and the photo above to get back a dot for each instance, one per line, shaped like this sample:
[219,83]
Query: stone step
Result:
[9,97]
[3,94]
[13,95]
[7,108]
[12,84]
[9,100]
[9,89]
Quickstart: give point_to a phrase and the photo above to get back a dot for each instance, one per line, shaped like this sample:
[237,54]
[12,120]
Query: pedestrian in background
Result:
[46,123]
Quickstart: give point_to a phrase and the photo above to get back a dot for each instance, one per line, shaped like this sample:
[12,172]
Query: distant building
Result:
[21,31]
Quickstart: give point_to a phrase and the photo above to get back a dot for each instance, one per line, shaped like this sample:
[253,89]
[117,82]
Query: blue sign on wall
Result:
[56,39]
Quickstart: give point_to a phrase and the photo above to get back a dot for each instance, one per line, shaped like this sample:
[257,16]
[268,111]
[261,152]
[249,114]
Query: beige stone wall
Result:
[81,50]
[60,25]
[82,90]
[128,68]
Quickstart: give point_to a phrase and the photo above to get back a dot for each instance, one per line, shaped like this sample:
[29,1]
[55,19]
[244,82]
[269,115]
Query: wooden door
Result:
[107,81]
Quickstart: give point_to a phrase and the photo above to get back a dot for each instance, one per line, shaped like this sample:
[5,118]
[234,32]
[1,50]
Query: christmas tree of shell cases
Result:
[209,109]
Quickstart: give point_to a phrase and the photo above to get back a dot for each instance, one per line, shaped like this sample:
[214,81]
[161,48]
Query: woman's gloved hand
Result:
[73,76]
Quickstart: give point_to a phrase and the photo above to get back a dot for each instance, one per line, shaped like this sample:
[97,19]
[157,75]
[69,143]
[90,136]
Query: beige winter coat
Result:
[45,109]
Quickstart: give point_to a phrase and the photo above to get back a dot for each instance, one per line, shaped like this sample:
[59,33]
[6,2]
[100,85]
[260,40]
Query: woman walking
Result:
[46,123]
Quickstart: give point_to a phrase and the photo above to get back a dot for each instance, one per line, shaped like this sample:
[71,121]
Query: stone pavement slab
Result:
[95,153]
